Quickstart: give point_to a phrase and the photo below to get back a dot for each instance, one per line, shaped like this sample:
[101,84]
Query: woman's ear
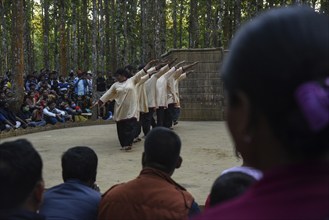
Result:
[143,159]
[239,120]
[238,114]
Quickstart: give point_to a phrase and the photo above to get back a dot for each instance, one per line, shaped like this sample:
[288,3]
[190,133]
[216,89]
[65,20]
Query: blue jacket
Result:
[71,200]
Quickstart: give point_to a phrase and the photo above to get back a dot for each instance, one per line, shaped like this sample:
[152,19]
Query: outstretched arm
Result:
[186,67]
[180,63]
[149,65]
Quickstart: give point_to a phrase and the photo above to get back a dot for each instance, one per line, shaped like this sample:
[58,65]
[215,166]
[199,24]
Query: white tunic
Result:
[176,83]
[125,96]
[171,89]
[161,88]
[150,87]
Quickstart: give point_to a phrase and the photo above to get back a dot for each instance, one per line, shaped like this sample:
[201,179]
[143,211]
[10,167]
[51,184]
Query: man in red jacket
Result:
[153,194]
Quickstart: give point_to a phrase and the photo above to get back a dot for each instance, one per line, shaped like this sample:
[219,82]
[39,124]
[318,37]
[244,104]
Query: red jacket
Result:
[152,195]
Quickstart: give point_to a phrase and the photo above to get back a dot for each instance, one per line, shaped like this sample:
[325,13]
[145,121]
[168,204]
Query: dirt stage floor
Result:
[207,150]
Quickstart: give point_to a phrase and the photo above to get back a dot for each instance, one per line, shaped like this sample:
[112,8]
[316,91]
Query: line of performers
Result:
[153,89]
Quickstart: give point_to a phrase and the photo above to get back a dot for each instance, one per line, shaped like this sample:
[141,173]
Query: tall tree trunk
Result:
[163,28]
[227,23]
[114,63]
[18,22]
[101,44]
[45,28]
[126,41]
[3,53]
[74,50]
[174,18]
[94,54]
[237,15]
[143,30]
[85,60]
[63,54]
[181,16]
[107,39]
[208,23]
[94,37]
[28,52]
[193,25]
[157,28]
[56,38]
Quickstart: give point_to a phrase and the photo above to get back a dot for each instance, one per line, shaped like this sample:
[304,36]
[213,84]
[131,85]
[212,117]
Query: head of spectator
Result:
[229,186]
[278,94]
[162,150]
[80,163]
[51,105]
[121,75]
[32,86]
[21,185]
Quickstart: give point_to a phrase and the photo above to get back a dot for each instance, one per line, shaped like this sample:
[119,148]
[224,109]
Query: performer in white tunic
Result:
[150,91]
[126,103]
[176,114]
[169,112]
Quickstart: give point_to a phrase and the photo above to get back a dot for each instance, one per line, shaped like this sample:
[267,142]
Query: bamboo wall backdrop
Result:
[202,92]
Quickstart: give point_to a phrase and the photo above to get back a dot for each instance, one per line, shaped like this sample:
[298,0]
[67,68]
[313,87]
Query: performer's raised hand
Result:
[186,67]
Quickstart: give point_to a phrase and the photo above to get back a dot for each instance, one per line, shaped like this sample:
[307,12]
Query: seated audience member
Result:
[52,115]
[37,118]
[153,194]
[21,185]
[278,115]
[9,118]
[243,177]
[229,186]
[77,197]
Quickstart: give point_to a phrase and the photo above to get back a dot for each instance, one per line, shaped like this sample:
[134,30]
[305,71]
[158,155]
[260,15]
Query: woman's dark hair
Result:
[268,59]
[80,163]
[20,170]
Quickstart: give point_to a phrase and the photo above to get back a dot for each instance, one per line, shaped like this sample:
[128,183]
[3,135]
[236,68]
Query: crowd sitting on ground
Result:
[280,134]
[50,98]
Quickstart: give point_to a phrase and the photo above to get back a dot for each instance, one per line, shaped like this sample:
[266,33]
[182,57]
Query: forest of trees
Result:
[101,35]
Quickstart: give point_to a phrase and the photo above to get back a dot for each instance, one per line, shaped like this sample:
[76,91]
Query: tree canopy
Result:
[101,35]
